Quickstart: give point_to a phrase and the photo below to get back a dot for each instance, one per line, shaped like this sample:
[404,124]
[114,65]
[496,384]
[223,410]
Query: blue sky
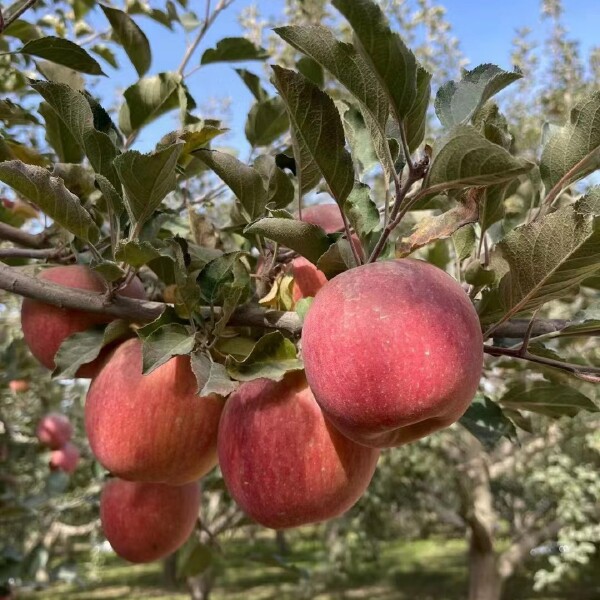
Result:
[485,30]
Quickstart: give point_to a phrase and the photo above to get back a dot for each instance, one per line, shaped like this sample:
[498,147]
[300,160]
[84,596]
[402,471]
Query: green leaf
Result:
[492,203]
[59,74]
[147,100]
[465,158]
[193,559]
[84,347]
[550,257]
[50,194]
[302,307]
[316,122]
[131,37]
[351,70]
[212,377]
[486,421]
[416,120]
[244,181]
[457,103]
[13,114]
[575,148]
[272,357]
[135,252]
[312,70]
[361,211]
[464,240]
[147,179]
[164,343]
[280,189]
[394,64]
[547,398]
[59,137]
[307,239]
[358,136]
[75,112]
[218,275]
[22,30]
[252,82]
[63,52]
[267,121]
[337,259]
[106,53]
[233,49]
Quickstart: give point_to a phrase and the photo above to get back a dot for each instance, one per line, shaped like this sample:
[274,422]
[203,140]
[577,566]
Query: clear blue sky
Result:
[485,30]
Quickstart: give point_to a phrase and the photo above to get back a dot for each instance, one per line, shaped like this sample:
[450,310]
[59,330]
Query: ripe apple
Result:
[65,458]
[326,216]
[18,385]
[282,461]
[147,521]
[54,430]
[45,327]
[155,427]
[393,351]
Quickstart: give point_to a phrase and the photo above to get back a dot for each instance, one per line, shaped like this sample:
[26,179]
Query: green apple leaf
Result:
[252,82]
[465,158]
[14,114]
[573,152]
[361,211]
[50,194]
[272,357]
[389,57]
[147,179]
[244,181]
[59,137]
[279,187]
[547,398]
[307,239]
[485,420]
[464,240]
[267,121]
[311,69]
[163,344]
[317,124]
[147,100]
[415,123]
[84,347]
[337,259]
[106,53]
[131,37]
[212,377]
[457,103]
[63,52]
[233,49]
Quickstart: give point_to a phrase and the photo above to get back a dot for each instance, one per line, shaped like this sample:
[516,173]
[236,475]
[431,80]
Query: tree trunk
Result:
[202,586]
[281,541]
[485,582]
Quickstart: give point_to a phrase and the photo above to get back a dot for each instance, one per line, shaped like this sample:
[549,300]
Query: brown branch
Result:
[20,237]
[35,253]
[14,16]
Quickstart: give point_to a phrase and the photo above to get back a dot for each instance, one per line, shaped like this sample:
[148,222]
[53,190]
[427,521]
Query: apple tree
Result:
[182,280]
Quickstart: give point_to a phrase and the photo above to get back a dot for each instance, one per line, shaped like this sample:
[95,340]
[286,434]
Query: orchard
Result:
[368,326]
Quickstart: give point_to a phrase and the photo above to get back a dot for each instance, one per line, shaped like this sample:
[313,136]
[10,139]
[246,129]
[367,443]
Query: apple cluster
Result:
[392,351]
[55,432]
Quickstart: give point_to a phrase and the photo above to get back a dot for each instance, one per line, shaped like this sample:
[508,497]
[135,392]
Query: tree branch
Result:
[43,253]
[20,237]
[5,22]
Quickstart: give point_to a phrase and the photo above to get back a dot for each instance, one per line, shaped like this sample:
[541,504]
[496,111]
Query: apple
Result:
[18,385]
[282,461]
[147,521]
[65,458]
[393,351]
[327,216]
[54,430]
[155,427]
[45,327]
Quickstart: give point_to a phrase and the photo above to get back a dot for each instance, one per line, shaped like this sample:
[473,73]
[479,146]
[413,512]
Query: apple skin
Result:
[18,385]
[147,521]
[155,427]
[393,351]
[45,327]
[326,216]
[54,430]
[282,462]
[308,280]
[65,458]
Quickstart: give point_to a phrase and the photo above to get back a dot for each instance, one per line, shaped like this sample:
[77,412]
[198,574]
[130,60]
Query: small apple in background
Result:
[147,521]
[65,458]
[18,386]
[283,463]
[393,351]
[54,430]
[45,327]
[151,427]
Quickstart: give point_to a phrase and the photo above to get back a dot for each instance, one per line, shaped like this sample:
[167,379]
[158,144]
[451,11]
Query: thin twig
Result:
[6,22]
[527,336]
[22,238]
[43,253]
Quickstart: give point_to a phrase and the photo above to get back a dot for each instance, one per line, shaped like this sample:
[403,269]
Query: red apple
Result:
[393,351]
[65,458]
[327,216]
[147,521]
[54,430]
[18,385]
[282,461]
[308,280]
[45,327]
[151,428]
